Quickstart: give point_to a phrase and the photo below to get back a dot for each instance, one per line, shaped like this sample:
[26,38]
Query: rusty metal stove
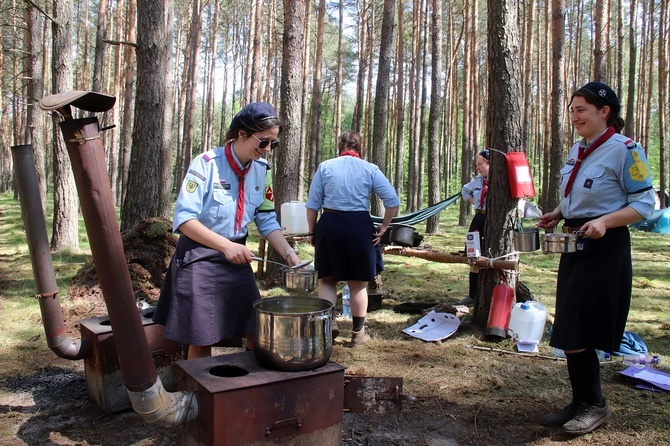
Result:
[241,403]
[103,374]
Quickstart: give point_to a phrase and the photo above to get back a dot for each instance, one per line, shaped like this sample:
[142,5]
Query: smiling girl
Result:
[606,186]
[209,288]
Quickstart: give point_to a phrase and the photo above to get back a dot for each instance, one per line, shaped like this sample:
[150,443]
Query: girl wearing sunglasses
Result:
[210,288]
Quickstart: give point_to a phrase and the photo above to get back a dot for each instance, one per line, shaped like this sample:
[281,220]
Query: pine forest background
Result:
[414,77]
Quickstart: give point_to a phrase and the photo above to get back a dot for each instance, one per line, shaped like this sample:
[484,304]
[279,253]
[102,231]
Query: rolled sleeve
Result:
[315,196]
[266,222]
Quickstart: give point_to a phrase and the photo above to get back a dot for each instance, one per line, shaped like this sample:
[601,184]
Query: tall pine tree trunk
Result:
[65,223]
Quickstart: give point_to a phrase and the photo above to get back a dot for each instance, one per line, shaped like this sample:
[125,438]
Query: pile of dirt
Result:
[148,247]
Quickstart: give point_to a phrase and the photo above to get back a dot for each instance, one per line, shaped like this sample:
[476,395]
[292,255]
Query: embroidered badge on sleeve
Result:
[191,186]
[638,171]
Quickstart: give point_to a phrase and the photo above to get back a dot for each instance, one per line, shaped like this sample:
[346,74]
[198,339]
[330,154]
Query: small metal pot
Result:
[293,333]
[402,235]
[303,279]
[526,239]
[557,242]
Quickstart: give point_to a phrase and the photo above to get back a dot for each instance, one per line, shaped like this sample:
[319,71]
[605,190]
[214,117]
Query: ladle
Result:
[299,265]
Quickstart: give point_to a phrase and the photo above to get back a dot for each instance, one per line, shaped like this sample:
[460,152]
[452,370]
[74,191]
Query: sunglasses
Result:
[263,143]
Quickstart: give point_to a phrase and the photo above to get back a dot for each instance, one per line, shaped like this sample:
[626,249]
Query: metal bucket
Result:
[527,239]
[293,333]
[557,242]
[303,279]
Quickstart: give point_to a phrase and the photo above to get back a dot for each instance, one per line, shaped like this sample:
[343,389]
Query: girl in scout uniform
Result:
[606,186]
[475,193]
[345,239]
[209,287]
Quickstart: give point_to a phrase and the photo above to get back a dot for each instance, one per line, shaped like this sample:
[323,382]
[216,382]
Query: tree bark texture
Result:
[286,174]
[378,150]
[433,223]
[149,176]
[65,222]
[504,133]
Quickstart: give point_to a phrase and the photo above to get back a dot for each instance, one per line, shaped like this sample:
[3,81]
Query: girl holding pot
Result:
[210,288]
[345,238]
[606,186]
[475,193]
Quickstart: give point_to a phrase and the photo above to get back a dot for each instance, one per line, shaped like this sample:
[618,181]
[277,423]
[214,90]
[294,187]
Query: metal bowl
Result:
[303,279]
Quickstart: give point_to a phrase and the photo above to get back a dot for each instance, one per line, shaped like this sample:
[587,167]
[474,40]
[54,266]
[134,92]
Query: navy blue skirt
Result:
[205,298]
[343,247]
[593,293]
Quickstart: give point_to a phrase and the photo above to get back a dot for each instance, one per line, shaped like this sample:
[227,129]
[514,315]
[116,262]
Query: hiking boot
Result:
[334,329]
[587,419]
[562,416]
[359,337]
[468,302]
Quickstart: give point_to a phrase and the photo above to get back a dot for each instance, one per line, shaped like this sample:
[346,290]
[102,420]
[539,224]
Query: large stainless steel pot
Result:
[559,242]
[527,239]
[402,235]
[293,333]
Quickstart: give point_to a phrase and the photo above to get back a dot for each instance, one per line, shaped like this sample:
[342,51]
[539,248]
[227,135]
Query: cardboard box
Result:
[472,246]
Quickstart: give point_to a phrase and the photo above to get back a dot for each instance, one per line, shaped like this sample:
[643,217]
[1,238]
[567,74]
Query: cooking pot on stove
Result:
[402,235]
[293,333]
[557,242]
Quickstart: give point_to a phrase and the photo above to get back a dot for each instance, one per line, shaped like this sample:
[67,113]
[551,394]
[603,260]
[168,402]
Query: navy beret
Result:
[605,94]
[251,116]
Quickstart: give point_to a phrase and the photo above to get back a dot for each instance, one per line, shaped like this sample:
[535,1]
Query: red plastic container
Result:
[520,178]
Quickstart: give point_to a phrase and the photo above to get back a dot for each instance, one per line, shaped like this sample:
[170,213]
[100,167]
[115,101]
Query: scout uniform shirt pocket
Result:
[223,204]
[565,174]
[591,179]
[256,199]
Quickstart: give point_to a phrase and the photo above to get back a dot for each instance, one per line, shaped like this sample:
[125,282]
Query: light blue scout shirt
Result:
[344,184]
[614,176]
[474,190]
[209,194]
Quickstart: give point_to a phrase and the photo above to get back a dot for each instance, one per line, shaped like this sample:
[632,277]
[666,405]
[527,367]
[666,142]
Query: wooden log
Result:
[441,257]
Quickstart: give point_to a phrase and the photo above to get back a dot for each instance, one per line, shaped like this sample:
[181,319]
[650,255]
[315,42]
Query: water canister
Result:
[527,321]
[499,313]
[294,218]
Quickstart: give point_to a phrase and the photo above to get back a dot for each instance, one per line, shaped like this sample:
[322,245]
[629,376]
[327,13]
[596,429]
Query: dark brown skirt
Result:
[205,298]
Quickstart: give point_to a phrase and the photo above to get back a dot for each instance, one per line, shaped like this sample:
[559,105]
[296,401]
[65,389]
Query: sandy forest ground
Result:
[464,395]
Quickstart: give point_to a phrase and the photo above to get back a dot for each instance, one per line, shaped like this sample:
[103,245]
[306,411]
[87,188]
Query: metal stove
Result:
[241,403]
[103,374]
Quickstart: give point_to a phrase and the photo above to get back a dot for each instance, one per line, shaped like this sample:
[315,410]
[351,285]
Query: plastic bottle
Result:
[603,356]
[641,360]
[346,302]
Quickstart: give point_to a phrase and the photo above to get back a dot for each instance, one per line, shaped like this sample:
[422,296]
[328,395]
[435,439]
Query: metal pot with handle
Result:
[557,242]
[293,333]
[526,239]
